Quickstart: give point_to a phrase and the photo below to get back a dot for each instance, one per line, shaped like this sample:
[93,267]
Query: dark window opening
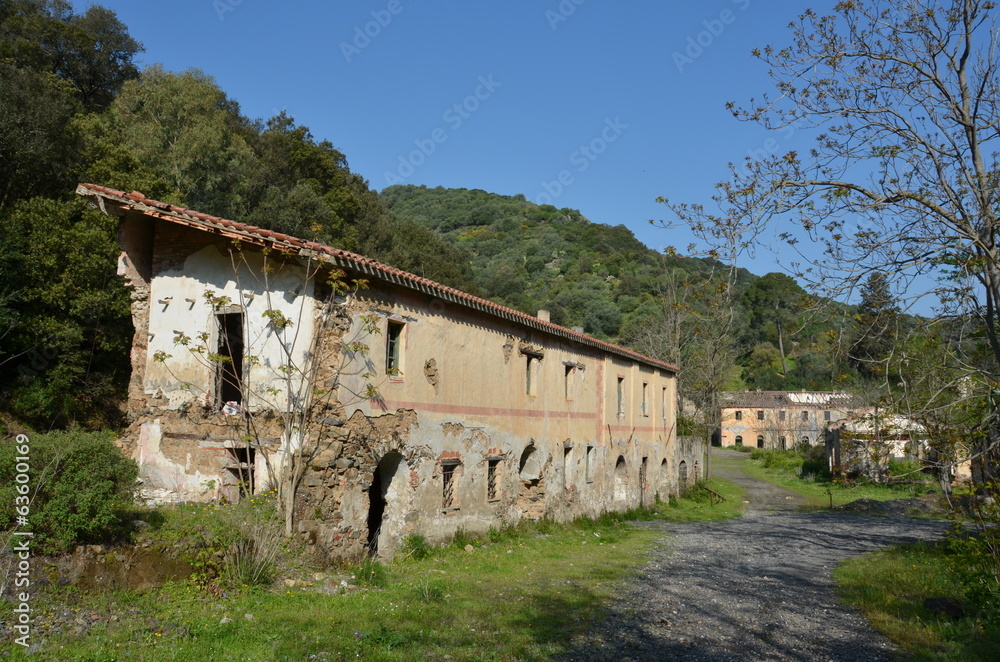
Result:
[805,416]
[621,397]
[682,473]
[229,375]
[739,416]
[448,485]
[826,416]
[570,371]
[760,441]
[782,443]
[781,415]
[589,464]
[645,398]
[393,348]
[760,415]
[739,441]
[567,466]
[492,467]
[241,467]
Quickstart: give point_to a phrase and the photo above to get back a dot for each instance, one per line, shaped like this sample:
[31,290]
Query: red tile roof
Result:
[140,203]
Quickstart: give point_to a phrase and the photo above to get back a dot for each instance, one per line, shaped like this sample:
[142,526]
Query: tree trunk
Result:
[781,349]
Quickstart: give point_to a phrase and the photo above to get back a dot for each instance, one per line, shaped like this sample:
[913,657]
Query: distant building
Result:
[782,419]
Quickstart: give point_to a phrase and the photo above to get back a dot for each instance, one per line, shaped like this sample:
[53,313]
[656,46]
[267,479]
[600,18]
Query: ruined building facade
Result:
[782,420]
[446,411]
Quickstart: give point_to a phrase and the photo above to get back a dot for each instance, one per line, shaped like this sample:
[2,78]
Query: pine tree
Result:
[876,328]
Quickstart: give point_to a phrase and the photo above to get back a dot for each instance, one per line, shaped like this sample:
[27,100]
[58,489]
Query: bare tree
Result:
[904,101]
[300,399]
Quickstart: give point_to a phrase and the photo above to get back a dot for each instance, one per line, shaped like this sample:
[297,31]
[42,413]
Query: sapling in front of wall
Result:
[279,374]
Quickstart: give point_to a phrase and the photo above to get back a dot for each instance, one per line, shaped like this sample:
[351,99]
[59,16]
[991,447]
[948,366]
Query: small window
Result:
[663,406]
[805,439]
[805,416]
[531,374]
[782,444]
[448,485]
[589,467]
[781,415]
[570,371]
[229,368]
[760,414]
[682,473]
[760,441]
[567,466]
[492,473]
[645,398]
[739,441]
[393,349]
[826,416]
[739,416]
[621,397]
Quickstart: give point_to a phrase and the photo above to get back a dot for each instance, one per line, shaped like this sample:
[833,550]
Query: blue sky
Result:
[592,105]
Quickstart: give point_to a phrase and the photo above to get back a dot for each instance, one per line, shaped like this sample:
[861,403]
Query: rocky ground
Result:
[756,588]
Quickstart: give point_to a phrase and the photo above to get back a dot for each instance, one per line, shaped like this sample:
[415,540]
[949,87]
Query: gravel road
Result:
[756,588]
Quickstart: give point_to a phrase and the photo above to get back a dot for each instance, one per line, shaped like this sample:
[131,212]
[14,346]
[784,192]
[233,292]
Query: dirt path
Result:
[758,494]
[757,588]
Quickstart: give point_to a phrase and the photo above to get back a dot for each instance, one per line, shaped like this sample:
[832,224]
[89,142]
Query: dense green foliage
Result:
[530,257]
[81,488]
[75,108]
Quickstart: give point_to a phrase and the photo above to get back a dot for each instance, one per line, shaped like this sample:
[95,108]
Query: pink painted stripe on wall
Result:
[486,411]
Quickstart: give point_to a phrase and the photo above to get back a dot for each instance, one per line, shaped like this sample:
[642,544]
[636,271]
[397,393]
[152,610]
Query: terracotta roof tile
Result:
[137,201]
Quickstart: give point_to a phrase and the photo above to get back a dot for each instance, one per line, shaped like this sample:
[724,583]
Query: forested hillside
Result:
[602,278]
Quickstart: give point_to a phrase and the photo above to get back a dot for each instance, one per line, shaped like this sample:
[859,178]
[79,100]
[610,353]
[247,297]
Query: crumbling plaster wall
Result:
[461,399]
[460,402]
[178,433]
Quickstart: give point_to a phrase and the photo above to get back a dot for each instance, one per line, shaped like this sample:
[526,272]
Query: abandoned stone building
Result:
[782,419]
[447,411]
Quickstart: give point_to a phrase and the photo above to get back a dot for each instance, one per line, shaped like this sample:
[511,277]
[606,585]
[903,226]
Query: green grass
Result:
[784,468]
[697,504]
[523,593]
[889,588]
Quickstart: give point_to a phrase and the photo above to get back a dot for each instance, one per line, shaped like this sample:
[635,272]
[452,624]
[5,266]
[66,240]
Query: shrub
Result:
[82,488]
[371,573]
[250,561]
[417,547]
[814,462]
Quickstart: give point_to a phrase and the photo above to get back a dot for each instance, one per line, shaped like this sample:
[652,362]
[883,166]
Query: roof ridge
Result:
[135,197]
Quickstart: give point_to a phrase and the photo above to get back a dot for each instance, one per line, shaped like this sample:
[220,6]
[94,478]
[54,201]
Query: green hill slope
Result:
[530,256]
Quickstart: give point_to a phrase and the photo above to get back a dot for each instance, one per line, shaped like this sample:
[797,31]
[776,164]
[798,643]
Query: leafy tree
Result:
[68,353]
[92,52]
[185,128]
[772,302]
[82,488]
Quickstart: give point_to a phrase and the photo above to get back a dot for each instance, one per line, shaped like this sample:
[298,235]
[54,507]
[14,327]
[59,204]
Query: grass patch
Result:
[697,504]
[889,587]
[801,473]
[523,593]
